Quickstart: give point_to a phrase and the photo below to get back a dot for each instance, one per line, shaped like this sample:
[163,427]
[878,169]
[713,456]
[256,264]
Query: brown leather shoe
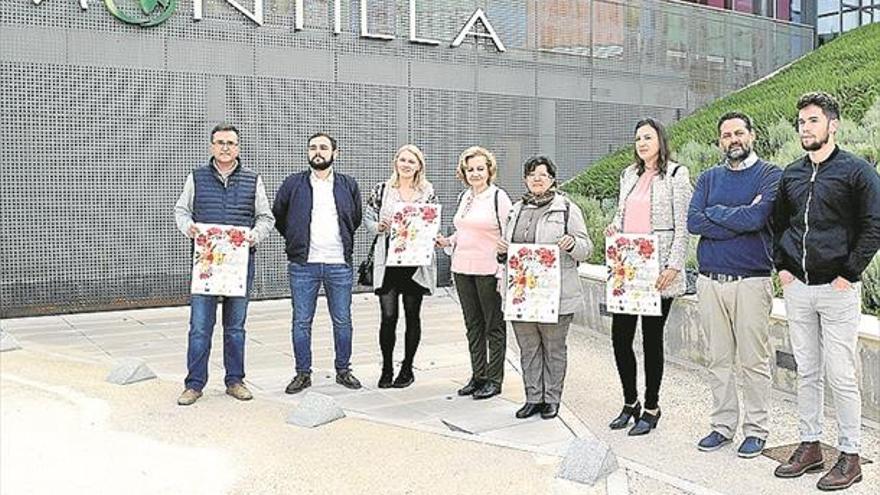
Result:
[844,474]
[188,397]
[239,391]
[807,458]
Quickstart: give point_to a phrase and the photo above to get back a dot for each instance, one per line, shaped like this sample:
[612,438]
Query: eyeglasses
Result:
[225,144]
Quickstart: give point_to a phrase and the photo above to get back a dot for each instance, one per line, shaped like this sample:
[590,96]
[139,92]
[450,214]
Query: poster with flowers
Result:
[220,260]
[414,226]
[533,283]
[633,268]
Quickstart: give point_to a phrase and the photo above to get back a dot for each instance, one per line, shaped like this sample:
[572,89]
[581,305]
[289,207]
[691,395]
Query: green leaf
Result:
[148,5]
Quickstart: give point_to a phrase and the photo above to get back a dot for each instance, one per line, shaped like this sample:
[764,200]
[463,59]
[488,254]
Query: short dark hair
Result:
[223,127]
[736,115]
[323,134]
[536,161]
[823,100]
[664,157]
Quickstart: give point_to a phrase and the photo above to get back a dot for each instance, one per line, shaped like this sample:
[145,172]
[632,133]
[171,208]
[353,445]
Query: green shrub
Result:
[871,288]
[597,219]
[847,67]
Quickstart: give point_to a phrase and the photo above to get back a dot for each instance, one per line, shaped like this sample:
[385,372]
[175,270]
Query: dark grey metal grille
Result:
[102,121]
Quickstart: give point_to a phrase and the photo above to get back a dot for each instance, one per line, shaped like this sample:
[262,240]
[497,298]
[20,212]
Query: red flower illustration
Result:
[523,252]
[236,237]
[201,240]
[429,213]
[514,262]
[214,231]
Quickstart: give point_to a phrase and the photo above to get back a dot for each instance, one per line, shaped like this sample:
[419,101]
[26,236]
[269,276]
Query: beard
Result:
[320,165]
[816,145]
[737,154]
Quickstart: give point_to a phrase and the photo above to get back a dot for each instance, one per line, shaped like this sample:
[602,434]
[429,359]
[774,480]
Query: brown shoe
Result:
[844,474]
[807,458]
[188,397]
[239,391]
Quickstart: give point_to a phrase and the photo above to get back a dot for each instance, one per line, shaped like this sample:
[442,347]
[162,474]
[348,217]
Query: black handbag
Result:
[365,270]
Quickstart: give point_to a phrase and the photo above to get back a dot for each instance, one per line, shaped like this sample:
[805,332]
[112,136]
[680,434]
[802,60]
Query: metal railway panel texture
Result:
[103,120]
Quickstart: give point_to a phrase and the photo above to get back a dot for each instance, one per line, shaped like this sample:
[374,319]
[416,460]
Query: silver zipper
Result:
[807,224]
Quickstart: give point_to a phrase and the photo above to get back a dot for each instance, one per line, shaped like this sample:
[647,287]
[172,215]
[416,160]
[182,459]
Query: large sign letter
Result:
[413,37]
[467,30]
[299,16]
[256,15]
[365,29]
[82,3]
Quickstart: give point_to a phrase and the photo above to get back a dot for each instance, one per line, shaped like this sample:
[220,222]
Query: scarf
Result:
[539,200]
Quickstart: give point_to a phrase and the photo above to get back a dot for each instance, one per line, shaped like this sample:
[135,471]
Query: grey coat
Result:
[426,276]
[670,200]
[549,229]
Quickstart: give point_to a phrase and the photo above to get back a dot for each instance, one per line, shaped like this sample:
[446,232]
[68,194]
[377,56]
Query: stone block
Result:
[587,461]
[315,410]
[8,342]
[130,370]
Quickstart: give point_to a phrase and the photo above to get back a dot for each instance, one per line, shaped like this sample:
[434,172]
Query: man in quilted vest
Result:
[221,192]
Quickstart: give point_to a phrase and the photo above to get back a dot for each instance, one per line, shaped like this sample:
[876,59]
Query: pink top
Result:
[637,213]
[477,231]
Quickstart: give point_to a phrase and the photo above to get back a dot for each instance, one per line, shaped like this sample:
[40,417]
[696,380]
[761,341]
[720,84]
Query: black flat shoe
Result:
[529,410]
[628,412]
[644,426]
[550,410]
[488,390]
[404,379]
[386,378]
[472,386]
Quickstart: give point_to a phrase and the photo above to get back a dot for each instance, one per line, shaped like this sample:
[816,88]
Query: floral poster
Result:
[633,268]
[220,260]
[533,283]
[414,226]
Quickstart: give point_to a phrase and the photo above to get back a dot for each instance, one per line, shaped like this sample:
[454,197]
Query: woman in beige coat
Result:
[545,216]
[655,193]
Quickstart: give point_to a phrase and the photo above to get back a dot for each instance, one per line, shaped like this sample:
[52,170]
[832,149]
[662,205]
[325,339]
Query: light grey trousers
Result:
[824,327]
[544,356]
[736,316]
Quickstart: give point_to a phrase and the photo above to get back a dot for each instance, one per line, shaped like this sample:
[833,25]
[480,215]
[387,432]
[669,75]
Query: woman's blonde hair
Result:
[471,152]
[419,179]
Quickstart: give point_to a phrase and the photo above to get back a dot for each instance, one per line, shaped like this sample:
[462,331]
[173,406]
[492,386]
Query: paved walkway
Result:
[664,462]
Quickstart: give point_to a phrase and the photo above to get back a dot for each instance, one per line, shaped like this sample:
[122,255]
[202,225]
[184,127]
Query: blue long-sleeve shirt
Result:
[734,229]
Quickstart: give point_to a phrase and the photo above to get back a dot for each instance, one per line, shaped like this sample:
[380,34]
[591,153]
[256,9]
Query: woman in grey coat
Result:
[407,184]
[544,215]
[655,194]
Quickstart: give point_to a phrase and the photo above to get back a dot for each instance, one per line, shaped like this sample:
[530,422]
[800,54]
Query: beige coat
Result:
[549,229]
[670,200]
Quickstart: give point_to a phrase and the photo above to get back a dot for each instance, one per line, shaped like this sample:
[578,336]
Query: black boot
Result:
[628,412]
[647,423]
[405,378]
[386,377]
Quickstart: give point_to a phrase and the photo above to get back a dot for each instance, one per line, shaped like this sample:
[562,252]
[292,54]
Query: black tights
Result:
[412,306]
[623,331]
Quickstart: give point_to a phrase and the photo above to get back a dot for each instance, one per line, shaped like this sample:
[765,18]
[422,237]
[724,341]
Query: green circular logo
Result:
[155,12]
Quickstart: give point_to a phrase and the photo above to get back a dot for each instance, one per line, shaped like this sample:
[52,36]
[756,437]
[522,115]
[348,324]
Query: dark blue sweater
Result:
[735,235]
[293,213]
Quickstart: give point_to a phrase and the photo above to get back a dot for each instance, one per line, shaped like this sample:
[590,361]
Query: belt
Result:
[723,277]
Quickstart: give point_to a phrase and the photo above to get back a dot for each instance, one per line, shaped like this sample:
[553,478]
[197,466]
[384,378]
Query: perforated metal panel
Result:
[102,121]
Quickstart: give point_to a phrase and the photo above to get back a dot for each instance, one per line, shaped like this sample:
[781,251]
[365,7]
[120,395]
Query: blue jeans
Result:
[203,316]
[305,280]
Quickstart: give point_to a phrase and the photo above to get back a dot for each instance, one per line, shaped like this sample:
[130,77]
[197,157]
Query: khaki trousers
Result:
[736,317]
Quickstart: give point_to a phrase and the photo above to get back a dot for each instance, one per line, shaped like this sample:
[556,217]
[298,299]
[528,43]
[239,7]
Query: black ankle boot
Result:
[628,412]
[405,378]
[645,424]
[386,377]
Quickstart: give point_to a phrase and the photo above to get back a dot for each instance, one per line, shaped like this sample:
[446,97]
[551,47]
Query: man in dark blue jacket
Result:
[317,211]
[729,210]
[827,230]
[221,192]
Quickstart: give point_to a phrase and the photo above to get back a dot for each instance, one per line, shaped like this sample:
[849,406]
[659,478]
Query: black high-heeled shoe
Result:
[628,412]
[647,423]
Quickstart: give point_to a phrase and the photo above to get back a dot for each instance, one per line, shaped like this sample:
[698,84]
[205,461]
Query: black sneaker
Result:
[347,380]
[299,383]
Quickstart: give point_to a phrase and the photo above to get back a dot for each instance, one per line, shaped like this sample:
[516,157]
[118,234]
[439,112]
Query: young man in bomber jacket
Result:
[827,230]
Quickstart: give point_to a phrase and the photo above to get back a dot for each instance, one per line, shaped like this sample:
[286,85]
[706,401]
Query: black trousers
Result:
[484,320]
[623,331]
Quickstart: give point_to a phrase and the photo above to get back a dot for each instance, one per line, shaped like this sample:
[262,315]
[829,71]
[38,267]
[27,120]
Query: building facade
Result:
[107,104]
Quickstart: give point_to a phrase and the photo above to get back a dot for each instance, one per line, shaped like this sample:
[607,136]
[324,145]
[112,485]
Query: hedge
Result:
[848,68]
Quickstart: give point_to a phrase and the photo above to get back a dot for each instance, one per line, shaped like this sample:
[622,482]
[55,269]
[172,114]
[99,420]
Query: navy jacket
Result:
[229,204]
[735,234]
[293,213]
[827,218]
